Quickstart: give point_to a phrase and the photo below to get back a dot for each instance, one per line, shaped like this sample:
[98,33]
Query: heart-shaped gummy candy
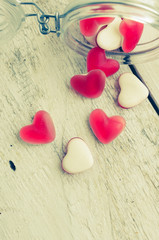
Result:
[110,38]
[90,26]
[133,91]
[41,131]
[105,128]
[78,158]
[131,31]
[90,85]
[96,59]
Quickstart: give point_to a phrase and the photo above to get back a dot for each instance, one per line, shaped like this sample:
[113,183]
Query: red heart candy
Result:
[96,59]
[105,128]
[131,31]
[103,8]
[90,26]
[41,131]
[90,85]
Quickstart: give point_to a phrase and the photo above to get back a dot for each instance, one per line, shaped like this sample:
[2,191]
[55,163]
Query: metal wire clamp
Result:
[43,19]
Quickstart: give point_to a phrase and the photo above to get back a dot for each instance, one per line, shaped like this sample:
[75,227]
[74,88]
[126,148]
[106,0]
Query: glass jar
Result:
[67,24]
[11,18]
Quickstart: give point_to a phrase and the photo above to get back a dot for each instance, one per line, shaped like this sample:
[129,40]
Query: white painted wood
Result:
[149,73]
[149,70]
[117,198]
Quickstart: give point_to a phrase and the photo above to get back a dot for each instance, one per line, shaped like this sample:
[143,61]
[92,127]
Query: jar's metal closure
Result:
[67,24]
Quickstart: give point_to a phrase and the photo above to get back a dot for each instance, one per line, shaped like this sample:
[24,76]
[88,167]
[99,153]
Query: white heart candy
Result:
[110,38]
[78,158]
[133,91]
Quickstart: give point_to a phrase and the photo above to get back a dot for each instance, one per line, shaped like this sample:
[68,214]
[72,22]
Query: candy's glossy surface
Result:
[110,37]
[41,131]
[131,31]
[105,128]
[133,91]
[90,85]
[96,59]
[90,26]
[78,158]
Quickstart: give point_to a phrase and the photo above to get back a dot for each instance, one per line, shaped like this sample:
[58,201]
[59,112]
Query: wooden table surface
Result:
[118,198]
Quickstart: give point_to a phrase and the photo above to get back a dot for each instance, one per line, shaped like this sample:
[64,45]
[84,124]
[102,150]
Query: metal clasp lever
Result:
[44,19]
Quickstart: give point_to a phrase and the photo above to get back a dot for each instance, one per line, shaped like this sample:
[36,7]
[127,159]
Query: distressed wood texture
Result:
[118,198]
[149,75]
[148,71]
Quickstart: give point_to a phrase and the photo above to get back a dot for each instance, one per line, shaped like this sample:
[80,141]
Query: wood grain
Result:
[149,74]
[118,198]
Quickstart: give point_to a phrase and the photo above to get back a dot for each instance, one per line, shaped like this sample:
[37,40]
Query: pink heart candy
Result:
[90,26]
[105,128]
[96,59]
[90,85]
[41,131]
[131,31]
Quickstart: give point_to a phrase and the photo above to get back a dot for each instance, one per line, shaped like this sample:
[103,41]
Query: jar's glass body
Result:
[143,11]
[11,18]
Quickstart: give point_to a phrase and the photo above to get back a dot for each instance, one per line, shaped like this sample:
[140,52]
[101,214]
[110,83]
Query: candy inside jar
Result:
[127,30]
[137,22]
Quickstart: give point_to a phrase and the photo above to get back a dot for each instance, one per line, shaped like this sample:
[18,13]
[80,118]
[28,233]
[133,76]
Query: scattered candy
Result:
[106,33]
[110,37]
[78,158]
[133,91]
[105,128]
[131,31]
[91,26]
[96,59]
[90,85]
[41,131]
